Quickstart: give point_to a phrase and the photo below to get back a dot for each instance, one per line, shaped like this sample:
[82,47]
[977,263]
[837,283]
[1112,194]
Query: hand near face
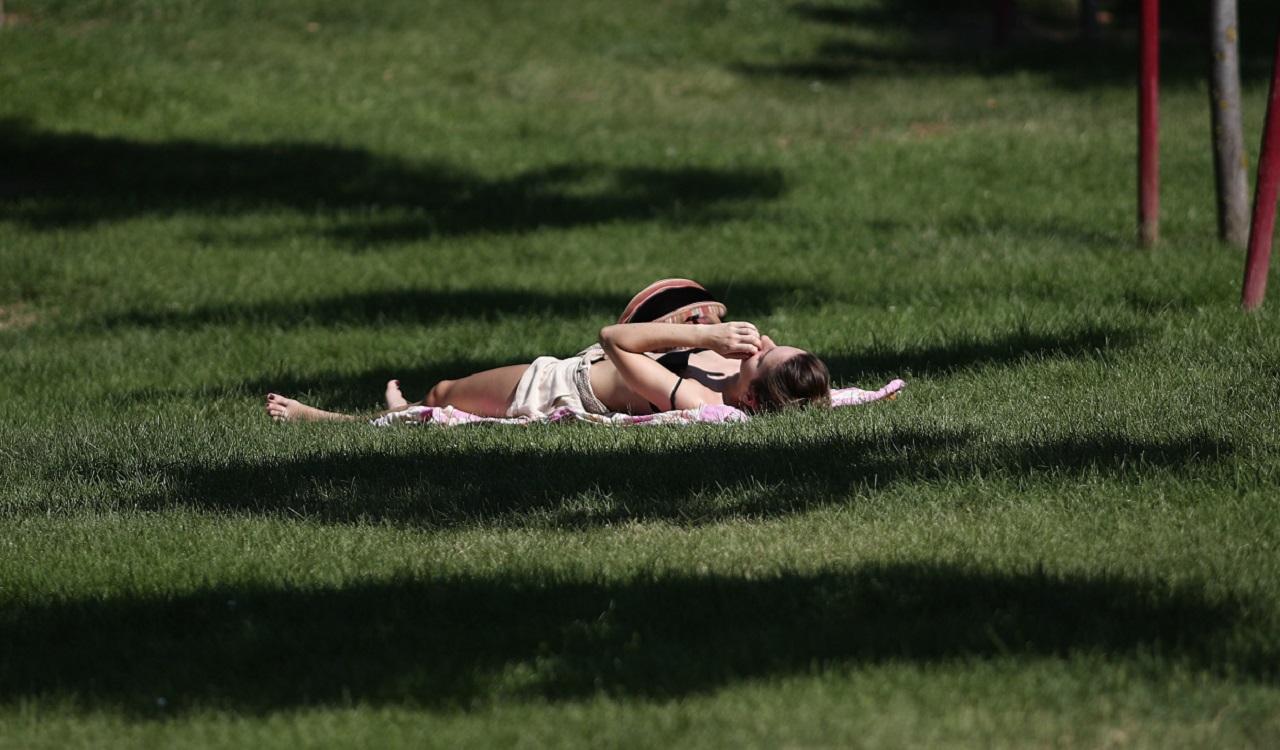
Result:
[736,340]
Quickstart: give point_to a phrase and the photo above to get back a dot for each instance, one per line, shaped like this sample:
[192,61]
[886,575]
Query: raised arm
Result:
[626,343]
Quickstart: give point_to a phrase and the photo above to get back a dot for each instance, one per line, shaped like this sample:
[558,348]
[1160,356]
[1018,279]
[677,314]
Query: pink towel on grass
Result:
[447,416]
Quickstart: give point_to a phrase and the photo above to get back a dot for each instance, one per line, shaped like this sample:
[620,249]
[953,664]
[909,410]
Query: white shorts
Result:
[551,383]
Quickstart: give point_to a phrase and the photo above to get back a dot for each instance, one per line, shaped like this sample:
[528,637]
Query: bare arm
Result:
[639,338]
[626,343]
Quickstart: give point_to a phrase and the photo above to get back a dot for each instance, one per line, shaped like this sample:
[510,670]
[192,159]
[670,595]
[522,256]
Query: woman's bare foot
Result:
[284,409]
[395,399]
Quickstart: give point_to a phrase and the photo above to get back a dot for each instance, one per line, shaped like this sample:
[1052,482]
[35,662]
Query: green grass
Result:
[1064,534]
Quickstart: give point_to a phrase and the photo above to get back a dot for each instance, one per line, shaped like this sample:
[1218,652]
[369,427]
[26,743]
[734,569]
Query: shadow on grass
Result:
[427,306]
[950,37]
[362,390]
[55,180]
[868,367]
[457,642]
[960,354]
[560,483]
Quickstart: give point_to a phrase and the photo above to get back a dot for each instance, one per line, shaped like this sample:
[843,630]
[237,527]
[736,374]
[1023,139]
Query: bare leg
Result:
[284,409]
[485,394]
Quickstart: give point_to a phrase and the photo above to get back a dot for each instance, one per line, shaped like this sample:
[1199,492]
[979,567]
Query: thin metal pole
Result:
[1264,199]
[1149,126]
[1229,160]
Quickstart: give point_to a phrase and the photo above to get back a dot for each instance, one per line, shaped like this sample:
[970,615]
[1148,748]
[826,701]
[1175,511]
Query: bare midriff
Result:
[706,367]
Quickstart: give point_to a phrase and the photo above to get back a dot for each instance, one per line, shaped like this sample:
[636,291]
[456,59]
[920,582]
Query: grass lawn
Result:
[1064,534]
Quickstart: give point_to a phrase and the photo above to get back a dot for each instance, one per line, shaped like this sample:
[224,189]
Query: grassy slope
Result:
[1064,534]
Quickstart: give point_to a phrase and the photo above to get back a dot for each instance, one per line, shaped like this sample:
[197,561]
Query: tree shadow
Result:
[961,354]
[360,392]
[873,364]
[429,306]
[439,484]
[941,37]
[457,641]
[56,180]
[422,307]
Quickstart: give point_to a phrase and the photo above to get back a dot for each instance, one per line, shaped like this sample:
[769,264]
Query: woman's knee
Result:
[439,394]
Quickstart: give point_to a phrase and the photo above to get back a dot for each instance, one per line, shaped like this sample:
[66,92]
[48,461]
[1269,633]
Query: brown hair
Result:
[799,381]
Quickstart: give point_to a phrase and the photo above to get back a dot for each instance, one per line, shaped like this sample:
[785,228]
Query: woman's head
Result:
[783,376]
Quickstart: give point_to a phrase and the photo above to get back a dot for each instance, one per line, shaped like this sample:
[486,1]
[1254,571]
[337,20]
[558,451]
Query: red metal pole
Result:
[1264,199]
[1149,126]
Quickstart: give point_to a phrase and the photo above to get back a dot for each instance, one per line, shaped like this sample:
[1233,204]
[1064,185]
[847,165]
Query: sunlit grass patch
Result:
[1062,533]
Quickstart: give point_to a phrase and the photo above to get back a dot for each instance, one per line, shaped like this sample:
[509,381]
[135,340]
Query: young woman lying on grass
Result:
[721,363]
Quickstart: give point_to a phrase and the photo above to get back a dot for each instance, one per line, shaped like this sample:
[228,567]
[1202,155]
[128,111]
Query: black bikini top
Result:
[676,362]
